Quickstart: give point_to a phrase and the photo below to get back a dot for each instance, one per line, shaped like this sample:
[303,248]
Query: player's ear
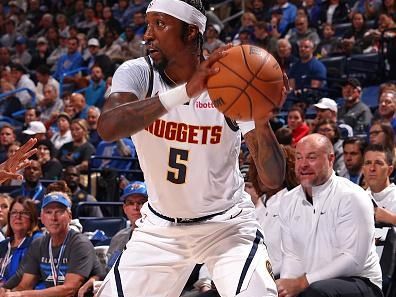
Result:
[192,32]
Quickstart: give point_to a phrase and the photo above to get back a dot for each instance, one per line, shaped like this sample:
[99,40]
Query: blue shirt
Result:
[303,73]
[67,63]
[94,94]
[289,13]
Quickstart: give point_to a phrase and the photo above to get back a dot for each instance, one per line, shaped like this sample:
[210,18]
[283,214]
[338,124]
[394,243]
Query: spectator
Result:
[22,230]
[36,129]
[334,12]
[134,196]
[139,22]
[46,22]
[111,23]
[284,136]
[327,108]
[58,47]
[7,137]
[263,38]
[260,9]
[70,61]
[329,44]
[97,87]
[98,59]
[313,12]
[378,166]
[51,168]
[354,113]
[332,253]
[50,105]
[21,80]
[62,23]
[381,133]
[387,107]
[71,176]
[73,250]
[12,149]
[31,186]
[63,135]
[284,55]
[121,148]
[212,40]
[89,23]
[354,41]
[22,55]
[131,45]
[248,20]
[31,114]
[5,202]
[288,12]
[111,48]
[353,148]
[44,78]
[5,57]
[92,120]
[369,8]
[11,103]
[296,122]
[329,129]
[78,103]
[308,72]
[79,151]
[8,39]
[302,31]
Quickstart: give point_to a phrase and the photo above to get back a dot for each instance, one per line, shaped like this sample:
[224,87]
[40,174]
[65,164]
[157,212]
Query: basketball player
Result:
[197,211]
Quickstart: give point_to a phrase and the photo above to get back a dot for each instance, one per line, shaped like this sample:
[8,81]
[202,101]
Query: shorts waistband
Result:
[186,220]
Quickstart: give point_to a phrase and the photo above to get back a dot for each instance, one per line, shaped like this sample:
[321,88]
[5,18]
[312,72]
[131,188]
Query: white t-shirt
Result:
[189,156]
[386,198]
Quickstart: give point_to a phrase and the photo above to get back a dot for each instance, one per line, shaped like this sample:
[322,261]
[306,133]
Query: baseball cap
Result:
[55,198]
[134,188]
[20,40]
[354,82]
[93,42]
[64,115]
[42,39]
[35,127]
[216,27]
[327,103]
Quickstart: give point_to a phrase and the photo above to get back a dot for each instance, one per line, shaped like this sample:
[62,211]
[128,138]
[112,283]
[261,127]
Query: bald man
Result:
[331,252]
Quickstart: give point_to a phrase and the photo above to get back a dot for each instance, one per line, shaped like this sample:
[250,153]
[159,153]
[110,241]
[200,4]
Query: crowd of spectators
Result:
[62,54]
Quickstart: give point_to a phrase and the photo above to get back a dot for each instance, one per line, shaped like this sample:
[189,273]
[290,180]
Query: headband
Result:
[180,10]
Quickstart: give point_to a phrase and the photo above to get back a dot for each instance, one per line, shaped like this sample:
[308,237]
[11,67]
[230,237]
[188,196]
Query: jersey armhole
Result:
[232,124]
[151,77]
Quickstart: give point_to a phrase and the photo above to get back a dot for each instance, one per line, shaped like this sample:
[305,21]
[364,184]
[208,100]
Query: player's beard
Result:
[161,65]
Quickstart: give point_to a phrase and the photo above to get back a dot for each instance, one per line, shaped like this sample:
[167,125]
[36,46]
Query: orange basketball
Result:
[248,85]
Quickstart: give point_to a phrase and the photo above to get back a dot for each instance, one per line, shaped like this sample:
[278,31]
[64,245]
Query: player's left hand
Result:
[198,82]
[18,161]
[291,287]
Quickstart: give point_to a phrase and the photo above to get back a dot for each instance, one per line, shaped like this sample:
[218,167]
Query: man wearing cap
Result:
[36,129]
[63,135]
[212,41]
[354,112]
[98,59]
[133,196]
[21,55]
[326,109]
[63,259]
[21,80]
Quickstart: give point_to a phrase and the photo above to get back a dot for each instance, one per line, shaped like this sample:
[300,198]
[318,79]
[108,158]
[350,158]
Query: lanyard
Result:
[38,190]
[8,257]
[55,267]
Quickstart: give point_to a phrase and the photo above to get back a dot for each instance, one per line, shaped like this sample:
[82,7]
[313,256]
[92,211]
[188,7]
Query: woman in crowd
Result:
[78,151]
[22,230]
[296,122]
[50,166]
[5,201]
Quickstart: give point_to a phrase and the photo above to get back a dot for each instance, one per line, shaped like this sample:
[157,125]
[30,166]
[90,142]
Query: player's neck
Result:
[182,70]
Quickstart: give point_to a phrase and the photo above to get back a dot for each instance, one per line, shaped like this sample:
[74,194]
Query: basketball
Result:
[248,85]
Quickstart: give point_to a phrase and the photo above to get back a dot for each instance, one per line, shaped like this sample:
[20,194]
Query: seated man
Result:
[74,254]
[332,251]
[377,168]
[133,196]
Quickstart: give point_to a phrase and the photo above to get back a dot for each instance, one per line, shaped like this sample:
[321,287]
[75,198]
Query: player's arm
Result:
[266,154]
[123,114]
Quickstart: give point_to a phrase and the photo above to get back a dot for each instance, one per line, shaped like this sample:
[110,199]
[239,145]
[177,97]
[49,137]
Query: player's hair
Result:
[382,149]
[200,40]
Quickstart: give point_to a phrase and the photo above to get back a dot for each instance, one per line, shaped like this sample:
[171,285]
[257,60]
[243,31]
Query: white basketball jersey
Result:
[189,156]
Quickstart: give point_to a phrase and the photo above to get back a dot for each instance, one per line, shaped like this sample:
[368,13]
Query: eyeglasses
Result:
[375,133]
[23,214]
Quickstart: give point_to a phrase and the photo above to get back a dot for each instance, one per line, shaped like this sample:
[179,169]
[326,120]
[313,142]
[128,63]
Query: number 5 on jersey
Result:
[177,166]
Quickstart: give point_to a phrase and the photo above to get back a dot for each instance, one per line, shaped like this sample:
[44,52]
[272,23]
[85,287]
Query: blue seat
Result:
[110,226]
[370,96]
[365,67]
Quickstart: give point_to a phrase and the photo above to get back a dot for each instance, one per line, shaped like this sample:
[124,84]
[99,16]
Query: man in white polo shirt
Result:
[331,252]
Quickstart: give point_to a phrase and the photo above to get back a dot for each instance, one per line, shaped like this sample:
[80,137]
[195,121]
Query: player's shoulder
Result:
[134,65]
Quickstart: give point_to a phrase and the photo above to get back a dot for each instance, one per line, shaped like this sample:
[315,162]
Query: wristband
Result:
[245,127]
[174,97]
